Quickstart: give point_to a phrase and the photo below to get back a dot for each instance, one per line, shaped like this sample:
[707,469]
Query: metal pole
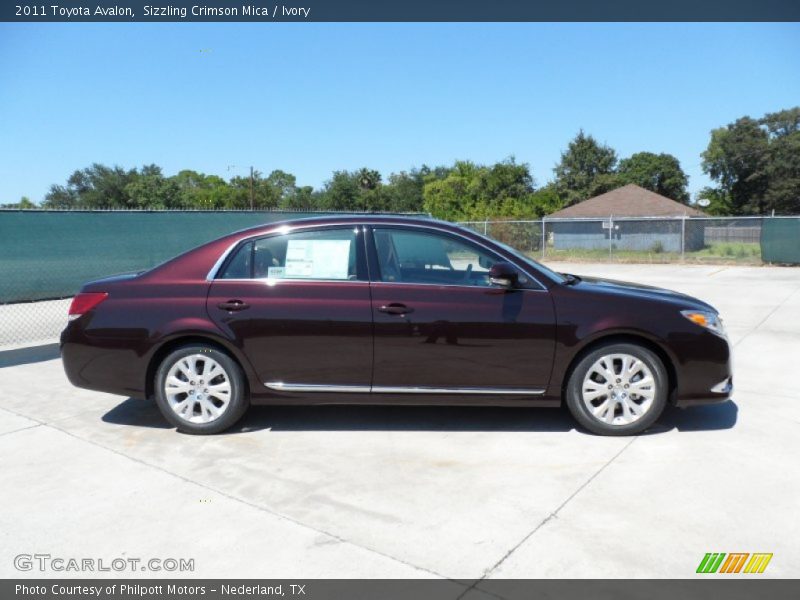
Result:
[683,236]
[251,188]
[610,234]
[486,227]
[544,238]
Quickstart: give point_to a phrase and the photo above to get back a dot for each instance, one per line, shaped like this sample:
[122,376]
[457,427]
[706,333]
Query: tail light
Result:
[84,302]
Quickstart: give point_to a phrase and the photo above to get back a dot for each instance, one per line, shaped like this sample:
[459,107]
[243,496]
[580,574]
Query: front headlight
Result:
[707,319]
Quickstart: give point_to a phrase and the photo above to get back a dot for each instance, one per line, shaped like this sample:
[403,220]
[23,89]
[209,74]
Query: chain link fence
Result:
[718,240]
[45,256]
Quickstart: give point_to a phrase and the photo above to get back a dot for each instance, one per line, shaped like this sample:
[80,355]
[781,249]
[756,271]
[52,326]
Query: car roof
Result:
[364,218]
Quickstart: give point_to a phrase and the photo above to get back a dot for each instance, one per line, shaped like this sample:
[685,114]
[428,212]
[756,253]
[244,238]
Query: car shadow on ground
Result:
[141,413]
[25,356]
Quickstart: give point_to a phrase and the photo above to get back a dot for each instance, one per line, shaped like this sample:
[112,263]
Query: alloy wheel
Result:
[198,389]
[618,389]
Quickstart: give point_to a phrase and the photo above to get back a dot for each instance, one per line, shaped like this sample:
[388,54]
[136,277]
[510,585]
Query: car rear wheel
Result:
[618,389]
[200,389]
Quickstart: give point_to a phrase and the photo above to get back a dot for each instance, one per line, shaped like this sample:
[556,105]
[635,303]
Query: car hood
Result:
[626,288]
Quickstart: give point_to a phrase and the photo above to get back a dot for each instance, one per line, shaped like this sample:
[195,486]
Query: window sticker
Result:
[276,272]
[317,259]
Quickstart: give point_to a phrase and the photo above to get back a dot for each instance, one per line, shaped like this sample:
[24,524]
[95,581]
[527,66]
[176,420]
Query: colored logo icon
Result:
[734,562]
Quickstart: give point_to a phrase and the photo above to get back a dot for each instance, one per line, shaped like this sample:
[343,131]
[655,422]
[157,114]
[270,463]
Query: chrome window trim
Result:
[275,281]
[281,230]
[458,285]
[284,229]
[388,389]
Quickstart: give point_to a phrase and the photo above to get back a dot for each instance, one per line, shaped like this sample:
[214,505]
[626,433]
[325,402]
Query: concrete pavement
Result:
[421,492]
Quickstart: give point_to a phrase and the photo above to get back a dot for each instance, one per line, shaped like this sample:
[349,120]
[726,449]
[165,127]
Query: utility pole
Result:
[251,189]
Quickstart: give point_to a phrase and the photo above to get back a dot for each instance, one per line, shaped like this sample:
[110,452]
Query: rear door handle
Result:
[233,305]
[395,308]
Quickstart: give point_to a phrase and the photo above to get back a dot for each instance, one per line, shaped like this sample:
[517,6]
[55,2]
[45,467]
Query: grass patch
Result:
[738,253]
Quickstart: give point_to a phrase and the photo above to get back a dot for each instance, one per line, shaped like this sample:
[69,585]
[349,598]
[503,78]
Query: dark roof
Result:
[628,201]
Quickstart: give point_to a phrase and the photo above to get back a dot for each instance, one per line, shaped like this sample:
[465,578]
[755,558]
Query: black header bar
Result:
[270,11]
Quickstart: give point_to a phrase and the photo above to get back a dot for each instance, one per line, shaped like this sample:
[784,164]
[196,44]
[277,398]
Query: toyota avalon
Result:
[389,310]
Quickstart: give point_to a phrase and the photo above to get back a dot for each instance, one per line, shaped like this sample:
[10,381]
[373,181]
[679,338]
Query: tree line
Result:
[755,164]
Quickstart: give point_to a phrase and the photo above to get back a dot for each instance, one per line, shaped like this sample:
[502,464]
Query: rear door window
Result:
[329,254]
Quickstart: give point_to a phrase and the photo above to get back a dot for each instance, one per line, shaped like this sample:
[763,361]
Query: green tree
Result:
[582,163]
[454,196]
[546,200]
[373,195]
[756,163]
[360,190]
[98,186]
[719,202]
[470,192]
[284,185]
[150,189]
[341,192]
[60,196]
[736,158]
[303,198]
[660,173]
[404,190]
[197,190]
[783,162]
[266,192]
[23,203]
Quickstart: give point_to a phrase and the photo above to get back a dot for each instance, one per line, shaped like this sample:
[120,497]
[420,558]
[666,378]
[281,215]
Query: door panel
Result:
[440,323]
[462,337]
[298,305]
[300,332]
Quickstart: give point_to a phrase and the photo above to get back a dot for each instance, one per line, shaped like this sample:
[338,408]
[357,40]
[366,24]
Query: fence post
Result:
[486,227]
[543,241]
[683,236]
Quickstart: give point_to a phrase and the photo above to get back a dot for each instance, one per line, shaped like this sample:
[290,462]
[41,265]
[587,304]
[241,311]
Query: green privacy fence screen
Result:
[49,254]
[780,241]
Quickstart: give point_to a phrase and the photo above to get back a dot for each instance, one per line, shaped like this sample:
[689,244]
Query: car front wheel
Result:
[618,389]
[200,389]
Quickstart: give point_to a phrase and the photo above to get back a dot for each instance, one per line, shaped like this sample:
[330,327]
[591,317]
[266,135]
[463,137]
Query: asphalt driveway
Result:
[396,492]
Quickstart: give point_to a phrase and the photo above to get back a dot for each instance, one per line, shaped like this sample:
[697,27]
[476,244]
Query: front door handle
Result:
[233,305]
[395,308]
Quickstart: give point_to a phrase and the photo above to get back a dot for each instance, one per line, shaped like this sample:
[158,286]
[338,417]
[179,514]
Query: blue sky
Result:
[313,98]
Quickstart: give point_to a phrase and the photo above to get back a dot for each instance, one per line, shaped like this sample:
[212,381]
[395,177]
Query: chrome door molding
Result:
[280,386]
[387,389]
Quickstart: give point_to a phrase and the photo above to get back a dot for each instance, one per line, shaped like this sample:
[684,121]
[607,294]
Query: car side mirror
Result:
[503,274]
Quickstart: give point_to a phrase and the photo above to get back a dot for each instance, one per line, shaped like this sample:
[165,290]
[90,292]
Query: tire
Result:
[618,389]
[193,402]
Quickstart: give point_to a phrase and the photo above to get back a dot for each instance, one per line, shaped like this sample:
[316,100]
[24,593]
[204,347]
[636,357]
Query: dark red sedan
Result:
[395,310]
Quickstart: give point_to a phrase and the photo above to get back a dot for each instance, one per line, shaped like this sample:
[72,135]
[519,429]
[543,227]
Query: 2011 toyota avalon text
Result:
[389,310]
